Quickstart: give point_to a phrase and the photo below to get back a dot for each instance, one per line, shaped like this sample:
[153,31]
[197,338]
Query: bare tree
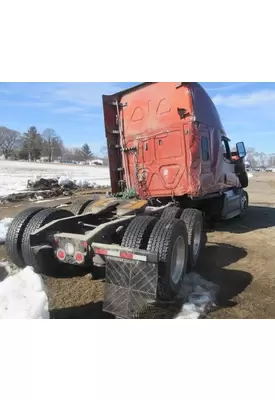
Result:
[8,140]
[103,151]
[263,159]
[78,155]
[73,154]
[271,160]
[252,157]
[68,154]
[52,144]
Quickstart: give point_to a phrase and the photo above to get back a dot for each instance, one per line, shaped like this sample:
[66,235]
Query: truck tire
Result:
[40,219]
[169,240]
[78,207]
[244,202]
[98,272]
[171,212]
[15,235]
[138,232]
[194,225]
[89,206]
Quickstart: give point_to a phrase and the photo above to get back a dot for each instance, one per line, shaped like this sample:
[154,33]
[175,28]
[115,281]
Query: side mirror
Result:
[240,147]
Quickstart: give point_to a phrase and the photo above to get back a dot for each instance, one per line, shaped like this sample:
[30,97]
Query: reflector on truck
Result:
[120,254]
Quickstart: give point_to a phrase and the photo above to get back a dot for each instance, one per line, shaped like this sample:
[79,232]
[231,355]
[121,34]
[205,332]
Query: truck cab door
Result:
[207,176]
[230,177]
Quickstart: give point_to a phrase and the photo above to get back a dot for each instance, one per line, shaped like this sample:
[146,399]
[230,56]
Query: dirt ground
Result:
[239,257]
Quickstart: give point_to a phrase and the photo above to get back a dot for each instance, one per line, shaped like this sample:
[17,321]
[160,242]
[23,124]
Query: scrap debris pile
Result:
[43,188]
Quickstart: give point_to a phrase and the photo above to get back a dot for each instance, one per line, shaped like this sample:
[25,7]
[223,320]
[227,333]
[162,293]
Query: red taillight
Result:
[126,255]
[61,255]
[84,244]
[102,252]
[79,258]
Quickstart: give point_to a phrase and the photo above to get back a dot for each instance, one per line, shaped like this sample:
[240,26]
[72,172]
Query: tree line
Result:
[260,159]
[33,145]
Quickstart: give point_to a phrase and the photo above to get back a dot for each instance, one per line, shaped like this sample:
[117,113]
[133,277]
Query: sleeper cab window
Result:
[226,149]
[205,148]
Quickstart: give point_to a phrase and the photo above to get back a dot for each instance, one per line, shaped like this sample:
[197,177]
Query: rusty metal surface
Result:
[169,158]
[131,206]
[101,205]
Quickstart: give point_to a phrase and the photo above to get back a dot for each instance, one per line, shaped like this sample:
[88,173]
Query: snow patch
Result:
[23,296]
[15,174]
[249,175]
[4,225]
[82,183]
[63,180]
[200,297]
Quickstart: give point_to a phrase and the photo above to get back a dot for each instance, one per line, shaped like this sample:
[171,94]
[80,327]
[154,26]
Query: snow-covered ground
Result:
[4,224]
[22,295]
[200,295]
[15,174]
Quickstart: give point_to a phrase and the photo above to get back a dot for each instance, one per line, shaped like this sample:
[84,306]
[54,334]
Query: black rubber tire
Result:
[191,217]
[90,205]
[15,235]
[40,219]
[79,206]
[243,211]
[161,241]
[137,233]
[243,178]
[98,273]
[171,212]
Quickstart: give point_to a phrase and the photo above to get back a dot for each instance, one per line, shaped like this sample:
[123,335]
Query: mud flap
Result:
[130,286]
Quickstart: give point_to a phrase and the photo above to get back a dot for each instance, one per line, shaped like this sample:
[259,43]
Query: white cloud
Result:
[60,98]
[67,110]
[85,94]
[22,103]
[253,99]
[229,86]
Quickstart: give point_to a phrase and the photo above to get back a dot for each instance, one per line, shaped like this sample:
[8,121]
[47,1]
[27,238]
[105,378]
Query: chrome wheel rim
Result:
[244,202]
[197,239]
[178,259]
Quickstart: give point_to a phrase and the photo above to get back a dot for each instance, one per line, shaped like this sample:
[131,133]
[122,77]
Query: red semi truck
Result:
[171,166]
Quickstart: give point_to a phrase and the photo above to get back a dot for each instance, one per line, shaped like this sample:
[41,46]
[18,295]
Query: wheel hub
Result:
[178,259]
[244,204]
[197,239]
